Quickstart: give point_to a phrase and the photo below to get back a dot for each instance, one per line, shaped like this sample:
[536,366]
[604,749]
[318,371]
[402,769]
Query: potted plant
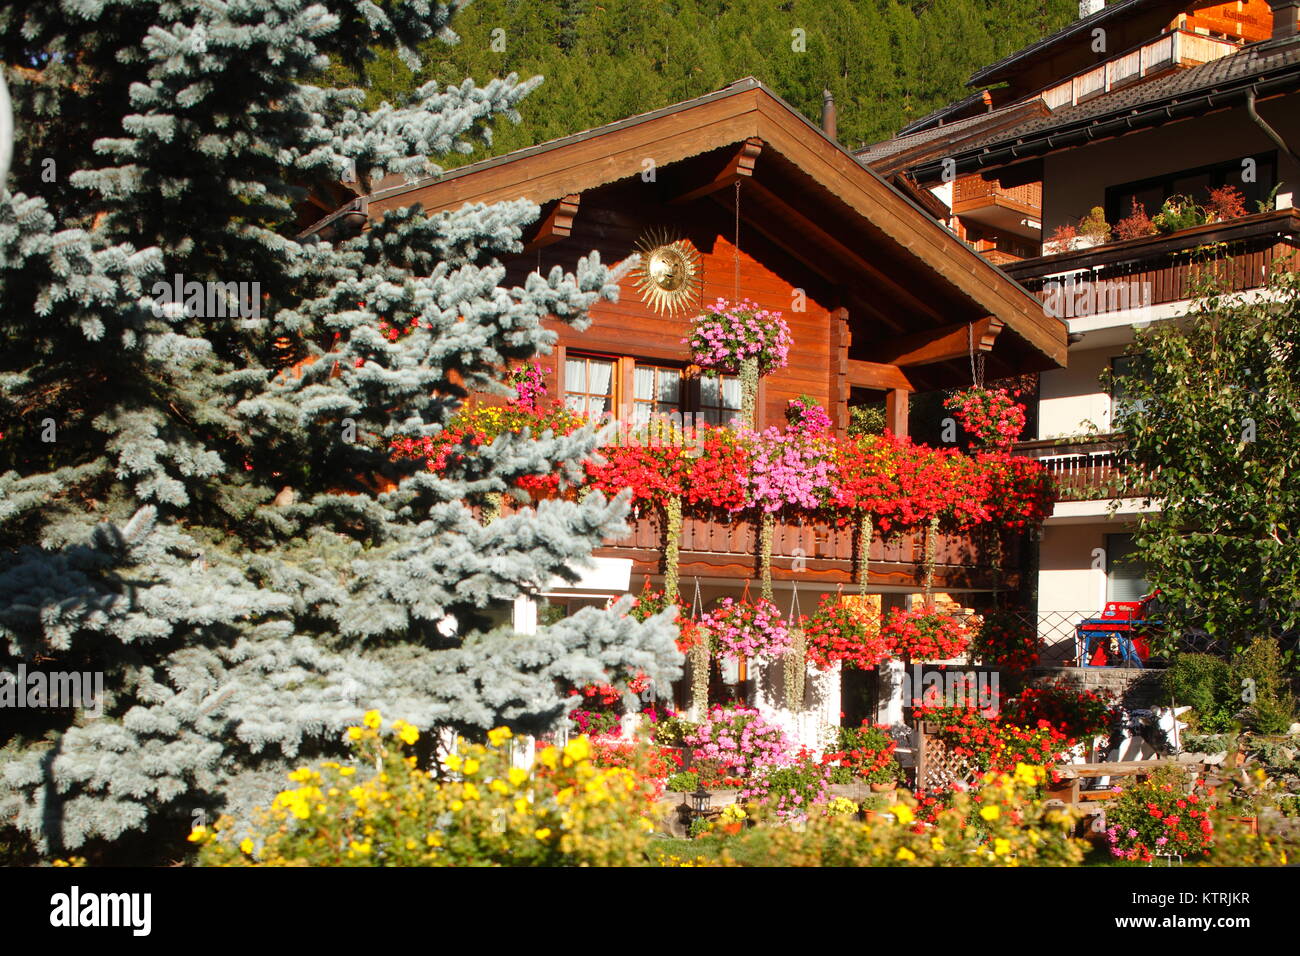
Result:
[1179,213]
[845,631]
[872,807]
[922,634]
[867,752]
[1136,225]
[1093,228]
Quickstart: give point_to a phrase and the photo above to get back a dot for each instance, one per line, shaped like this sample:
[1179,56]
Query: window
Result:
[719,398]
[657,390]
[589,385]
[1121,401]
[1126,573]
[1197,183]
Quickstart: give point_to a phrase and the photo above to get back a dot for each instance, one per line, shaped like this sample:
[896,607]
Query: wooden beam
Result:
[888,283]
[740,166]
[937,345]
[558,223]
[838,370]
[877,376]
[896,411]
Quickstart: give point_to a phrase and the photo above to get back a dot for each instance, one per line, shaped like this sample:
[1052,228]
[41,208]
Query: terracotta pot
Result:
[731,829]
[884,787]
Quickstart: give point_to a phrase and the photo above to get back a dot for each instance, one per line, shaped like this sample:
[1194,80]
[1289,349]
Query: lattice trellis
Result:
[937,766]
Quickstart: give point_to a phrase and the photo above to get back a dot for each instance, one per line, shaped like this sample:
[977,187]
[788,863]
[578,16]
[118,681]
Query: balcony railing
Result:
[820,551]
[1087,469]
[972,191]
[1178,47]
[1240,254]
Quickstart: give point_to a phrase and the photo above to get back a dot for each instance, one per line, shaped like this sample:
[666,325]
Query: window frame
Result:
[1220,174]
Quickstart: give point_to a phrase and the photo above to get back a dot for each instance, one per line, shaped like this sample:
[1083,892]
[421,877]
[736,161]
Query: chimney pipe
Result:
[828,111]
[1286,18]
[1088,7]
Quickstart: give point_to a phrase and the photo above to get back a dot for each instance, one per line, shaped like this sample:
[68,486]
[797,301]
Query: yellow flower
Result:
[517,775]
[499,736]
[372,719]
[548,757]
[1001,847]
[411,844]
[434,839]
[903,814]
[471,766]
[347,771]
[453,762]
[542,833]
[499,786]
[521,805]
[198,834]
[457,806]
[1029,776]
[578,749]
[246,845]
[301,775]
[362,848]
[354,733]
[471,792]
[905,854]
[936,844]
[991,812]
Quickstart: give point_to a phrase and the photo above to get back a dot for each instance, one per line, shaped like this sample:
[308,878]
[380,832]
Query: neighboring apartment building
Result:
[1135,102]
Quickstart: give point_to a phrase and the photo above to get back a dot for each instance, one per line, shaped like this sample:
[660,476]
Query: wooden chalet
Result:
[882,300]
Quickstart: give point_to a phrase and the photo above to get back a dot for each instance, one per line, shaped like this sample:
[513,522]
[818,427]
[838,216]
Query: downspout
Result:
[1269,131]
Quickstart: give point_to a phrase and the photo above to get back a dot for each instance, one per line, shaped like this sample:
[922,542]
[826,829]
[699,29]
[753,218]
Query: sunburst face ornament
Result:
[668,275]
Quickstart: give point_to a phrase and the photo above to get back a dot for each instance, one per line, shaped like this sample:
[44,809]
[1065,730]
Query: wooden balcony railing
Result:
[1086,469]
[970,191]
[1241,254]
[820,551]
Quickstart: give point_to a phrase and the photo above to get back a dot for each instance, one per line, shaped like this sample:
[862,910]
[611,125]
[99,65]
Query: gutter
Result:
[1052,140]
[1269,131]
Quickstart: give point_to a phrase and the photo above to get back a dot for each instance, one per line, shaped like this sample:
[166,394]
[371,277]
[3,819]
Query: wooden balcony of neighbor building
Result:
[1242,253]
[1013,209]
[1085,469]
[820,553]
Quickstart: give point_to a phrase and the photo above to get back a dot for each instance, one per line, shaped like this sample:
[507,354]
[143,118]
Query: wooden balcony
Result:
[1242,253]
[819,553]
[1013,209]
[1086,469]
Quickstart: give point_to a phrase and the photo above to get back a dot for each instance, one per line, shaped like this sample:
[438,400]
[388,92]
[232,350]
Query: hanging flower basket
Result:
[740,630]
[924,635]
[844,631]
[724,336]
[990,415]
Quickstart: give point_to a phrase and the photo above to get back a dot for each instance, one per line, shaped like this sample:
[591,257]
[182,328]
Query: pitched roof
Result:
[996,72]
[796,155]
[1269,68]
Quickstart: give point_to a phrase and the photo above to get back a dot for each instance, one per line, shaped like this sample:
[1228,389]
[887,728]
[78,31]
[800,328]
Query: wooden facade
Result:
[878,295]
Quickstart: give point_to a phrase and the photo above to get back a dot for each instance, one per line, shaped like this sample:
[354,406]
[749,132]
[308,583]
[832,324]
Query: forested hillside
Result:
[888,62]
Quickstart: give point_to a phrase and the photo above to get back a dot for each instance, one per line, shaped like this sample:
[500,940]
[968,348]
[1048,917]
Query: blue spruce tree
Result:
[184,515]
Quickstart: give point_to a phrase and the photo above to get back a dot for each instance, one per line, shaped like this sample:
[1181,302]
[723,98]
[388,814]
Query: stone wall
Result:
[1134,687]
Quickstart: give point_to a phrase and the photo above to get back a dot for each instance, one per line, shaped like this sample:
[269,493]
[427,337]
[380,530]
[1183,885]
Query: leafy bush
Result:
[1178,213]
[792,790]
[1006,638]
[1258,671]
[382,810]
[1015,830]
[1094,225]
[866,753]
[673,731]
[1136,224]
[1078,714]
[1204,683]
[685,782]
[1159,816]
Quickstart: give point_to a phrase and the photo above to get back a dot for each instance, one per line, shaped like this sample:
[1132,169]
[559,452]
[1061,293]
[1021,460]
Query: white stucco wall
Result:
[1076,179]
[1069,397]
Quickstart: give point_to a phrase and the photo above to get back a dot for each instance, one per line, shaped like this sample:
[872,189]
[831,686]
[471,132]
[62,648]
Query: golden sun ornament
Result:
[668,275]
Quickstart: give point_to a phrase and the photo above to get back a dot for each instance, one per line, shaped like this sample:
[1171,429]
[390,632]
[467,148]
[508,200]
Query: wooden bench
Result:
[1066,785]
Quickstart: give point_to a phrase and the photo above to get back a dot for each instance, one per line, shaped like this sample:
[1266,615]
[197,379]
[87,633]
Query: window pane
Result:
[1126,576]
[731,392]
[601,376]
[670,386]
[645,382]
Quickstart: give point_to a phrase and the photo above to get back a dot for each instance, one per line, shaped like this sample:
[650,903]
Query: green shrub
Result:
[683,782]
[673,731]
[1258,672]
[1204,683]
